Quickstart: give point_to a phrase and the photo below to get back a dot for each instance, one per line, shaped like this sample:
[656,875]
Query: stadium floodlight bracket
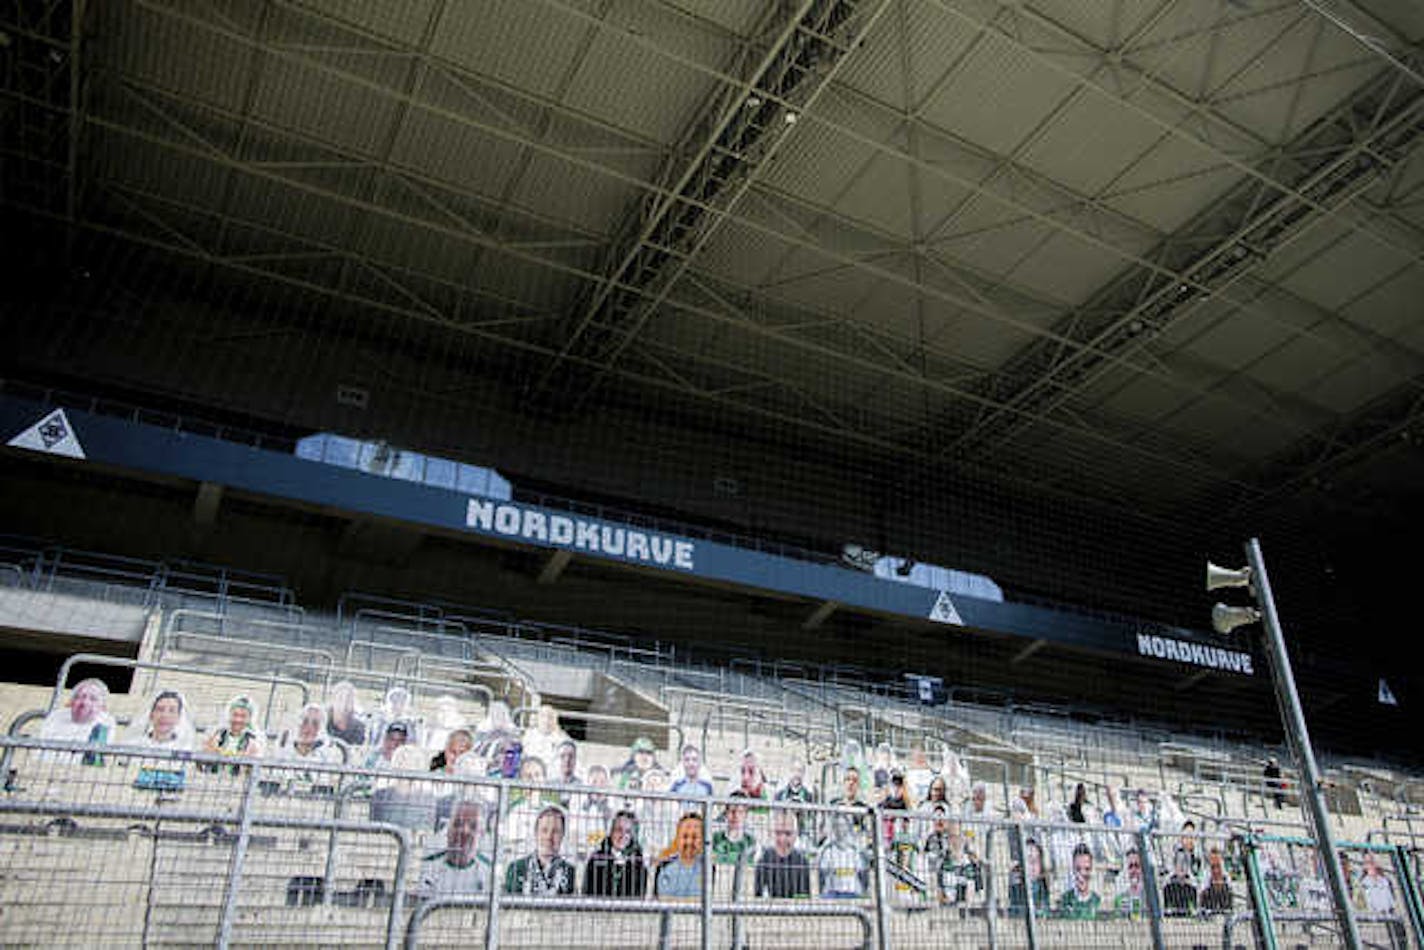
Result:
[1226,619]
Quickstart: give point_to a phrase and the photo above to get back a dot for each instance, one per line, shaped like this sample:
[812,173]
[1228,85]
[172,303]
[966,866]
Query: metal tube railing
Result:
[97,659]
[525,712]
[255,811]
[133,813]
[239,856]
[372,647]
[417,684]
[304,655]
[616,906]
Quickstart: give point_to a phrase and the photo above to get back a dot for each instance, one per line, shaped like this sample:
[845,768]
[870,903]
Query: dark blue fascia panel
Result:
[151,449]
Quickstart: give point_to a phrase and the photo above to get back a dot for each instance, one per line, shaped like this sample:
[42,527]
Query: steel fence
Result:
[116,845]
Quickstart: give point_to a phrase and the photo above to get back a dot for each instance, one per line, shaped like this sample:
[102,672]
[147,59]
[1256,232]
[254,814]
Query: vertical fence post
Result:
[882,910]
[991,897]
[239,855]
[1409,891]
[1030,907]
[496,827]
[1265,930]
[1298,740]
[1153,900]
[706,874]
[397,911]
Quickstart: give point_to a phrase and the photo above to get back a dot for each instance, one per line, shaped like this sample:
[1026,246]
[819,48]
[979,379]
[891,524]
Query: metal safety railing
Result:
[222,850]
[273,681]
[524,714]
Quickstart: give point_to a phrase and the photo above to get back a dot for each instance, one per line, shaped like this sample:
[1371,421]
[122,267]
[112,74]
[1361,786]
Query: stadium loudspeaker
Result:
[1226,577]
[1225,619]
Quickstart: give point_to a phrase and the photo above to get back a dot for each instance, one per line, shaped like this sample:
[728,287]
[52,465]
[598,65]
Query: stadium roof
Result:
[1150,250]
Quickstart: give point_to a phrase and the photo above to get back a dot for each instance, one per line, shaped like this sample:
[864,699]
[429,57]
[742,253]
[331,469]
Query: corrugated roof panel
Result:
[1294,366]
[914,33]
[1391,307]
[299,96]
[1306,44]
[1346,270]
[404,22]
[1103,24]
[1069,268]
[1216,422]
[1400,18]
[312,216]
[978,340]
[748,257]
[737,16]
[816,163]
[843,289]
[1003,94]
[1236,341]
[1302,250]
[530,282]
[593,201]
[448,151]
[1145,398]
[152,168]
[1302,103]
[1091,143]
[516,41]
[161,49]
[882,197]
[1170,185]
[1353,385]
[1196,47]
[622,84]
[994,248]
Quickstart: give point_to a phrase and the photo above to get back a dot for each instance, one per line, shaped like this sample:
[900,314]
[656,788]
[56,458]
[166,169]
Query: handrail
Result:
[394,679]
[16,724]
[626,906]
[1295,916]
[511,670]
[134,813]
[711,697]
[968,758]
[223,620]
[1185,798]
[448,632]
[448,665]
[97,659]
[313,653]
[372,646]
[343,602]
[524,712]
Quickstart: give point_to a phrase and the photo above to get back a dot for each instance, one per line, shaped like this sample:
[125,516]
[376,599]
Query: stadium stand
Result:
[326,849]
[719,473]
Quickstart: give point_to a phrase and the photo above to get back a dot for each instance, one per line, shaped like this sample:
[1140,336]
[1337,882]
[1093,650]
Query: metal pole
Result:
[739,939]
[707,874]
[1299,740]
[397,911]
[496,826]
[239,855]
[991,898]
[1030,910]
[1409,888]
[1149,887]
[882,910]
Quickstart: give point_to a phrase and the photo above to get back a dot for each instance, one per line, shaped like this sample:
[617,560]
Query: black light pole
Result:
[1292,718]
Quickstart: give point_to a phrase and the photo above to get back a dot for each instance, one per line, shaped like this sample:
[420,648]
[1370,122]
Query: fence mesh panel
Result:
[118,845]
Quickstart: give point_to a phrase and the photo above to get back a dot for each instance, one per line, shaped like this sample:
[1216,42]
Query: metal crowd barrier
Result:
[106,843]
